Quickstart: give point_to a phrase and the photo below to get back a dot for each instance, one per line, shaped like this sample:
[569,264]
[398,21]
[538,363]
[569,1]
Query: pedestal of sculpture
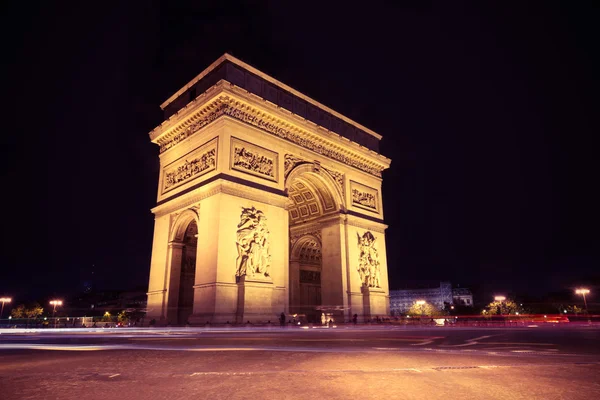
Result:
[375,302]
[255,295]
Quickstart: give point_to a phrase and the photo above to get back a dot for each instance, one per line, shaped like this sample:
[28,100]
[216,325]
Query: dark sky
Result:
[489,111]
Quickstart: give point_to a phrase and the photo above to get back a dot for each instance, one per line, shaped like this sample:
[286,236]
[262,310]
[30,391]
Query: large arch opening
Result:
[187,275]
[313,196]
[306,260]
[183,245]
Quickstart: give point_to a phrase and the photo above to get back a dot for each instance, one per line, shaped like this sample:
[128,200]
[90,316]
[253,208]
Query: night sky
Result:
[489,112]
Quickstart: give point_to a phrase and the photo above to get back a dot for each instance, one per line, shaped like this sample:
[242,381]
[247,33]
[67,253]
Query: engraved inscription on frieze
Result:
[368,260]
[364,196]
[191,166]
[253,244]
[253,159]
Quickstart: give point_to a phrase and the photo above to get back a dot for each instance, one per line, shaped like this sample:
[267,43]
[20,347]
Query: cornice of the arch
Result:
[364,223]
[214,188]
[225,99]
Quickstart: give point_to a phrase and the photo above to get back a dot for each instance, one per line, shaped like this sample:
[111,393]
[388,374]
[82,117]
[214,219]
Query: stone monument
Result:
[260,194]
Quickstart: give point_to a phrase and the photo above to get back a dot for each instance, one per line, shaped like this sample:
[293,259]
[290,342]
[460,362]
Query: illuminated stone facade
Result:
[268,202]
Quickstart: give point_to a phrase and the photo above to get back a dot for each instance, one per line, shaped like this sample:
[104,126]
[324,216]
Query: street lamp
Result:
[4,300]
[500,299]
[55,303]
[583,292]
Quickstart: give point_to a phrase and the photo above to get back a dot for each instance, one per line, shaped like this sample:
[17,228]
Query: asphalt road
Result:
[553,362]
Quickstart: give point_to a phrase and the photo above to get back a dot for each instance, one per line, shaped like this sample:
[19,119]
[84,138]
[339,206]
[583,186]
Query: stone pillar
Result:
[333,272]
[374,303]
[215,291]
[157,287]
[175,254]
[255,296]
[294,279]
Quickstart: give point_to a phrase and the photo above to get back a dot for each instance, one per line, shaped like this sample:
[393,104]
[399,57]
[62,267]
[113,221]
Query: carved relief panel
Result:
[253,244]
[368,260]
[191,166]
[364,197]
[255,160]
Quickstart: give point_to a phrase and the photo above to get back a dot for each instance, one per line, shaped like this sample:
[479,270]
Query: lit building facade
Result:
[268,202]
[402,300]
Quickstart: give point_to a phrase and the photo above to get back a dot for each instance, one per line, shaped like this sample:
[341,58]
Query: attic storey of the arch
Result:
[268,202]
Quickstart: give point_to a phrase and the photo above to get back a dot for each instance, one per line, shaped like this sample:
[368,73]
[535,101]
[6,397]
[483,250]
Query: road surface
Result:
[378,362]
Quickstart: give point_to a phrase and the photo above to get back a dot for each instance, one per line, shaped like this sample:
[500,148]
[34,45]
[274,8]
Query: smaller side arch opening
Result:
[305,277]
[184,248]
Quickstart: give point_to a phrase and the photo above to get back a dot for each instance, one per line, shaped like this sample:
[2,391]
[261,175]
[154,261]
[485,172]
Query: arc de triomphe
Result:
[268,202]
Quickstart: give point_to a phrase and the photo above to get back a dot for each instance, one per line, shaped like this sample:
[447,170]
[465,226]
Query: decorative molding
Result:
[193,165]
[304,232]
[209,115]
[253,245]
[365,224]
[227,105]
[158,291]
[364,197]
[368,261]
[252,159]
[338,178]
[290,161]
[219,187]
[257,119]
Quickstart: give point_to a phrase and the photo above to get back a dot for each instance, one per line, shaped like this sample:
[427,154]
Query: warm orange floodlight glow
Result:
[4,300]
[420,302]
[583,292]
[56,302]
[499,298]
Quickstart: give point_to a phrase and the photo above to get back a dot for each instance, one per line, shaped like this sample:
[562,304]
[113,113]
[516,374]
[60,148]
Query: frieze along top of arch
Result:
[225,99]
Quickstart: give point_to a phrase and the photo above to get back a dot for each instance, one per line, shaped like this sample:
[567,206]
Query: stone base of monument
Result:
[374,303]
[255,300]
[214,303]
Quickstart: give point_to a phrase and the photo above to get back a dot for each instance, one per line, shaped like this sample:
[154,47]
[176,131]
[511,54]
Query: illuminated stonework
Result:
[254,160]
[228,106]
[368,261]
[198,163]
[262,191]
[364,197]
[253,245]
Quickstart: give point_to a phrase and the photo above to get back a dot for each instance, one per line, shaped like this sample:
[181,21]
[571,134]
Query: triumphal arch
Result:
[268,202]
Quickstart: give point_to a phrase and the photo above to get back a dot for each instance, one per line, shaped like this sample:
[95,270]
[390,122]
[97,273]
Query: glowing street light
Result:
[4,300]
[583,292]
[499,298]
[420,302]
[55,303]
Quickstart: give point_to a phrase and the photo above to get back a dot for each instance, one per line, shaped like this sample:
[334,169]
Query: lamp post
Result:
[583,292]
[501,300]
[4,300]
[55,303]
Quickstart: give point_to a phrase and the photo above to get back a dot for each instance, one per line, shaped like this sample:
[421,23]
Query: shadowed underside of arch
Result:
[307,250]
[311,195]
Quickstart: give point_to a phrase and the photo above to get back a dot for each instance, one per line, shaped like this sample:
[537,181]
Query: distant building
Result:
[462,297]
[402,300]
[112,301]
